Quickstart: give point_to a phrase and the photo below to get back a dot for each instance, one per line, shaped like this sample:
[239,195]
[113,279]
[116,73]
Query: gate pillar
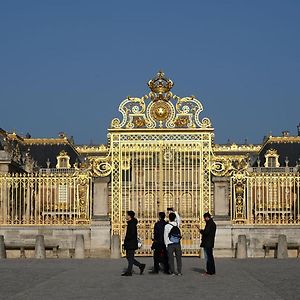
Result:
[221,198]
[100,205]
[100,224]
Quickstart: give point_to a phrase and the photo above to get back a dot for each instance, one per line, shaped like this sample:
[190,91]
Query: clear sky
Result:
[67,65]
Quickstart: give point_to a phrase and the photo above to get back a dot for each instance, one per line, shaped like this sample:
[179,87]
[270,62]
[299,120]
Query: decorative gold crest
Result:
[164,110]
[160,110]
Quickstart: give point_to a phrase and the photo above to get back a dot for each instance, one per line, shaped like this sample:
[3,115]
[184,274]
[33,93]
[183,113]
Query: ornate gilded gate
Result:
[160,156]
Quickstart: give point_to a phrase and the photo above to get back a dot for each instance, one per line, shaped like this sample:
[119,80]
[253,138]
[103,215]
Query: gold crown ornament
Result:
[160,87]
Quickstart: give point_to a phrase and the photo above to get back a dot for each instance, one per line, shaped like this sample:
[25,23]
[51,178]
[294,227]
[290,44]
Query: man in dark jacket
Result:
[131,244]
[208,242]
[159,247]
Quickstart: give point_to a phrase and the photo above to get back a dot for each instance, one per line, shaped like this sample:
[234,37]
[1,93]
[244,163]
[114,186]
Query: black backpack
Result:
[175,234]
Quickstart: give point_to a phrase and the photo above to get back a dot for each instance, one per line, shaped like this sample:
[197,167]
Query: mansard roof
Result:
[40,150]
[49,150]
[286,147]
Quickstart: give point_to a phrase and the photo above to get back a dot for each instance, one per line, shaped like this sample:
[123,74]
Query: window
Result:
[272,157]
[63,160]
[272,162]
[62,193]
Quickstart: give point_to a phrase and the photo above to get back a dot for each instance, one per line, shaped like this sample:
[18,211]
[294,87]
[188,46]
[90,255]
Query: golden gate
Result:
[160,154]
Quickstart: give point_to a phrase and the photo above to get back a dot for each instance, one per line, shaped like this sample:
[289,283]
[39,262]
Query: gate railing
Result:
[150,176]
[265,198]
[45,199]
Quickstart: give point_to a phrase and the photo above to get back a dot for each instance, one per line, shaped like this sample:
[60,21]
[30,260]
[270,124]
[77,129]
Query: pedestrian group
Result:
[167,244]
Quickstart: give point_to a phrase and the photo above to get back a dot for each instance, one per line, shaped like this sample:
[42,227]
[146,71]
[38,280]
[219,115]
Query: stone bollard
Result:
[115,247]
[40,251]
[241,250]
[282,251]
[79,246]
[2,247]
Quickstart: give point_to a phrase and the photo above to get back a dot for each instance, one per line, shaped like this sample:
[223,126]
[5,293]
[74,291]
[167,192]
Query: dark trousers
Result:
[160,255]
[131,260]
[210,262]
[174,248]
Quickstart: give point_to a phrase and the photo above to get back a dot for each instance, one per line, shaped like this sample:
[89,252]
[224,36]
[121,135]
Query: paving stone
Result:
[100,279]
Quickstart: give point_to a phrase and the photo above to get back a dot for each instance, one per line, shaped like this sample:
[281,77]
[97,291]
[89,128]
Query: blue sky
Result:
[67,65]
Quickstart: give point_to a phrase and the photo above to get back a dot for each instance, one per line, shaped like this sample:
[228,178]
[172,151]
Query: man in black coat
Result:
[131,244]
[159,247]
[208,242]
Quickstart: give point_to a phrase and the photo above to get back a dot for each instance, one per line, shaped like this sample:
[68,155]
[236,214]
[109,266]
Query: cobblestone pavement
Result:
[100,279]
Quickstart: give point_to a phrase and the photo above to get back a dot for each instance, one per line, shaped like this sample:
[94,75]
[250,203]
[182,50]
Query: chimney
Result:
[285,133]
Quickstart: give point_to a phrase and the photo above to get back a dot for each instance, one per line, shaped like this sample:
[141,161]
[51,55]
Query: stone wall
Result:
[257,236]
[62,236]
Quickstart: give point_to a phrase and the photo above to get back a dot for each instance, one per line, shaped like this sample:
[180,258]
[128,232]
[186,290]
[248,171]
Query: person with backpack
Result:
[208,242]
[131,244]
[160,252]
[172,237]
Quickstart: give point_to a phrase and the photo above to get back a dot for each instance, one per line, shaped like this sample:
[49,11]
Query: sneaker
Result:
[153,272]
[126,274]
[179,274]
[172,274]
[142,268]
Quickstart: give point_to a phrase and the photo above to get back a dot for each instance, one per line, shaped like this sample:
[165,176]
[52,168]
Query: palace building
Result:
[160,153]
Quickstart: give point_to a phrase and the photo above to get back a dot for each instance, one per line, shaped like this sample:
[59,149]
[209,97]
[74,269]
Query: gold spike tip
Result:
[160,84]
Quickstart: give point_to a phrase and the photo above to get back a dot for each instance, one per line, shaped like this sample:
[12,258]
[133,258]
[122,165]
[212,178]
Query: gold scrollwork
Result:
[103,169]
[226,166]
[129,108]
[100,166]
[164,110]
[219,168]
[239,193]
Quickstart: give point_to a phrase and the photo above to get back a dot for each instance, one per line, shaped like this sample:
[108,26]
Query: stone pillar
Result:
[40,251]
[221,198]
[115,246]
[282,251]
[100,225]
[100,208]
[221,213]
[241,249]
[2,247]
[79,246]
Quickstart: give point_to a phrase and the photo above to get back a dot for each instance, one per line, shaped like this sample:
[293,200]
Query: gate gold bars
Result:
[159,157]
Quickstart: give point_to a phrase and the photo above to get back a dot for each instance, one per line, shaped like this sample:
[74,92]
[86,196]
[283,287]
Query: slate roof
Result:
[285,146]
[41,149]
[41,152]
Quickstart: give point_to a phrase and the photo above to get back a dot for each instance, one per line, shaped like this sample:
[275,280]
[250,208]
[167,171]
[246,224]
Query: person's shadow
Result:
[199,270]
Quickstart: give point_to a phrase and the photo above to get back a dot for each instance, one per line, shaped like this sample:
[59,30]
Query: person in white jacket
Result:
[173,247]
